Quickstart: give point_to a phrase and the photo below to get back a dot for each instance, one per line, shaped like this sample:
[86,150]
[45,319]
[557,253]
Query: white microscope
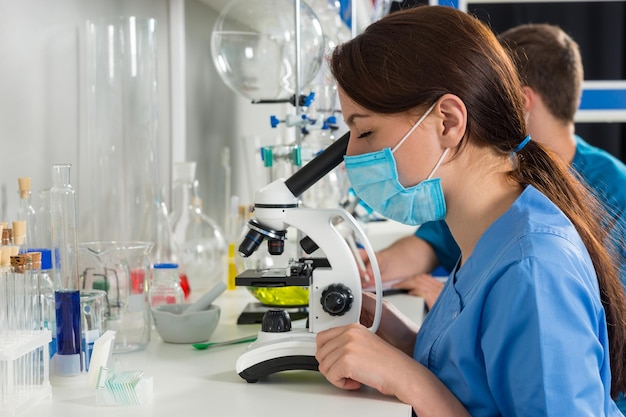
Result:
[335,285]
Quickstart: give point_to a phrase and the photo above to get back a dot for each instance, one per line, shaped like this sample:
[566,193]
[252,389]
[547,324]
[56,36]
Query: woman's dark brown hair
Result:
[409,59]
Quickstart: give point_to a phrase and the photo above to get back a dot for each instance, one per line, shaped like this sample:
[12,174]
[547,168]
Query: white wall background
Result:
[40,97]
[217,117]
[41,115]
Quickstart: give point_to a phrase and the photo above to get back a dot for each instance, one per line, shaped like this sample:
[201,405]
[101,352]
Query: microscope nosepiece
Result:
[256,233]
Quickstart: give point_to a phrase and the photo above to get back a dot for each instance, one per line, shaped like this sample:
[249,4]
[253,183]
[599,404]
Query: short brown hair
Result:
[548,61]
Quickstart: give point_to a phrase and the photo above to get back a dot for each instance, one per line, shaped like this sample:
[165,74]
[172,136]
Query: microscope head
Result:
[270,205]
[272,201]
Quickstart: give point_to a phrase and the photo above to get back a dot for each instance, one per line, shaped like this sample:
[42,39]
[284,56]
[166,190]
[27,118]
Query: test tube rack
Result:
[24,369]
[24,341]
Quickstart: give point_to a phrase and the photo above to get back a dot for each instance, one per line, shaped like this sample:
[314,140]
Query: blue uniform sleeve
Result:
[544,332]
[621,403]
[439,237]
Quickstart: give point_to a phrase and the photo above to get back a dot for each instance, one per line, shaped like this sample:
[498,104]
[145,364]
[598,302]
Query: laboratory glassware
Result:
[24,360]
[26,212]
[68,358]
[63,228]
[165,285]
[92,320]
[19,234]
[253,48]
[121,269]
[120,152]
[43,238]
[92,309]
[199,239]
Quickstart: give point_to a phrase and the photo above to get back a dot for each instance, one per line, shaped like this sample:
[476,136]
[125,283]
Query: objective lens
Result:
[275,246]
[250,243]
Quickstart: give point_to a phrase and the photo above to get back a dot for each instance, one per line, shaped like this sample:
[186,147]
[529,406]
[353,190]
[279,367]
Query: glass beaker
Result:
[121,269]
[92,310]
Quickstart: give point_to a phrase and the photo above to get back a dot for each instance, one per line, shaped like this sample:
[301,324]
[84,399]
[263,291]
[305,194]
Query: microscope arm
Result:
[319,166]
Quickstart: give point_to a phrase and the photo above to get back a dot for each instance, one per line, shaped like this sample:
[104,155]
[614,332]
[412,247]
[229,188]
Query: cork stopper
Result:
[35,259]
[19,232]
[7,236]
[24,186]
[19,263]
[6,253]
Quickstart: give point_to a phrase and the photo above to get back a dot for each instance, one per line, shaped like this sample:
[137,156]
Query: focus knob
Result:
[337,299]
[276,321]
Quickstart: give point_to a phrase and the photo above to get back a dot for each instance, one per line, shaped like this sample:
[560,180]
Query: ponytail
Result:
[540,168]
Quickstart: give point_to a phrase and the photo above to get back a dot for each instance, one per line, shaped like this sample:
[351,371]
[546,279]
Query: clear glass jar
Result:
[165,286]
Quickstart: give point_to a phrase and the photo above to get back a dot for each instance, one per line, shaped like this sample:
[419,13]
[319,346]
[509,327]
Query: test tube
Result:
[68,358]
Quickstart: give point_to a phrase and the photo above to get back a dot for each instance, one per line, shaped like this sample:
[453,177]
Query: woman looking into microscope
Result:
[532,320]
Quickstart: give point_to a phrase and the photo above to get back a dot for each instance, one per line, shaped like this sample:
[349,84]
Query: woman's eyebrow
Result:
[350,120]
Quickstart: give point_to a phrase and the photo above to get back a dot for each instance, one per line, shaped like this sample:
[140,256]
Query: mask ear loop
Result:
[441,158]
[419,122]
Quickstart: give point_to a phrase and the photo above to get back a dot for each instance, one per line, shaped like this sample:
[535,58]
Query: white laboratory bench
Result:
[204,382]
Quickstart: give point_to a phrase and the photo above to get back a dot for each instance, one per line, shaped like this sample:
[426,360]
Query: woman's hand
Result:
[422,285]
[350,356]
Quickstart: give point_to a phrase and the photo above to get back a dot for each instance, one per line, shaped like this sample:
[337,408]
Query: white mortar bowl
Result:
[176,326]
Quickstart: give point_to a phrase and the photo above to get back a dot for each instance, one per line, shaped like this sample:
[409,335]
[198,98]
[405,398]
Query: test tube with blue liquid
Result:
[68,359]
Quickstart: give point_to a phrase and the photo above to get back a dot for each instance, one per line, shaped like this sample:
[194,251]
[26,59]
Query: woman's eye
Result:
[364,135]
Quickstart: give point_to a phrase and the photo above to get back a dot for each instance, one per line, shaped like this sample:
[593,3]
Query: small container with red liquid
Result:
[165,287]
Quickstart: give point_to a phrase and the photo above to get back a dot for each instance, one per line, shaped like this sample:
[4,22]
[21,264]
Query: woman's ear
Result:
[453,115]
[529,99]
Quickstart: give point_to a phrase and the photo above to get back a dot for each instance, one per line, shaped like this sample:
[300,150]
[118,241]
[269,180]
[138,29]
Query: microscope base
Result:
[275,352]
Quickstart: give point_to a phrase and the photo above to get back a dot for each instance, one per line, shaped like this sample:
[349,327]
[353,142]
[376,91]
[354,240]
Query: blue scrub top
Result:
[519,330]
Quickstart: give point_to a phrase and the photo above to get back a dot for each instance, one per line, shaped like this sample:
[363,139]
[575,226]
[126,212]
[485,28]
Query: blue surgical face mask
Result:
[374,178]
